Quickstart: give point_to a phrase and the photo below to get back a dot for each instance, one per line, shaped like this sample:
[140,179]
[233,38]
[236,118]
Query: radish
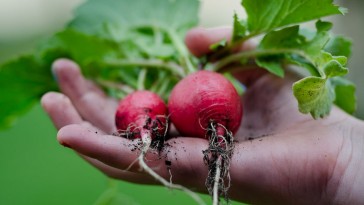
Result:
[143,114]
[206,105]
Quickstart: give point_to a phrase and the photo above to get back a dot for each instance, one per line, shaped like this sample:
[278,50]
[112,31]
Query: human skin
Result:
[281,157]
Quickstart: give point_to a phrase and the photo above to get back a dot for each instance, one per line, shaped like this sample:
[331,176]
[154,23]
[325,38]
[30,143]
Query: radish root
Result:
[152,127]
[217,182]
[217,157]
[146,144]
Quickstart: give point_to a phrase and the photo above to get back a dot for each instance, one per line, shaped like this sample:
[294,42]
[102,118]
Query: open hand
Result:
[282,156]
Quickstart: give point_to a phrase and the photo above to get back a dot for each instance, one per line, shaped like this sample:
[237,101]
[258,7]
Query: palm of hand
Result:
[295,159]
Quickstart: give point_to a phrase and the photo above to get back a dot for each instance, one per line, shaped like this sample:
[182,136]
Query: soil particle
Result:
[168,163]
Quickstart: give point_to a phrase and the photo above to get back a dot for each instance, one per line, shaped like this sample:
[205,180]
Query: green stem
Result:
[254,54]
[178,44]
[109,84]
[146,145]
[151,63]
[141,79]
[181,48]
[163,87]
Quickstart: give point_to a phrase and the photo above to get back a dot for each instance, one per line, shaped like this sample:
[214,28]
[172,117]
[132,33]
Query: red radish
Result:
[143,114]
[206,105]
[201,98]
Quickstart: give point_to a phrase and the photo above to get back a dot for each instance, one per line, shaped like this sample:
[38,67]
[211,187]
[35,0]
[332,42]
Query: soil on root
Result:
[217,157]
[154,126]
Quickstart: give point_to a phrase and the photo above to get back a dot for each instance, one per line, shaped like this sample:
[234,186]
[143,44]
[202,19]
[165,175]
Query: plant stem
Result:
[151,63]
[146,139]
[163,87]
[141,79]
[181,48]
[109,84]
[253,54]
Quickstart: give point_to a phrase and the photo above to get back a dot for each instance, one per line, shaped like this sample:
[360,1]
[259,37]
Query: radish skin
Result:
[202,97]
[140,111]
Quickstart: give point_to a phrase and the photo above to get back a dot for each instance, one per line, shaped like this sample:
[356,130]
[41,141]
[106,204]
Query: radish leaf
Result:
[267,15]
[22,82]
[339,46]
[111,40]
[92,16]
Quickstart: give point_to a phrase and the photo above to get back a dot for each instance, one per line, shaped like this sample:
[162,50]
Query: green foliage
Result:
[339,46]
[115,41]
[112,41]
[312,93]
[267,15]
[323,56]
[345,94]
[22,82]
[95,16]
[239,29]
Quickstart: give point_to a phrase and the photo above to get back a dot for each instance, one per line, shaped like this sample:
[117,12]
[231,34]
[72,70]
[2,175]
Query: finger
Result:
[90,102]
[249,76]
[62,113]
[60,109]
[119,174]
[185,154]
[199,40]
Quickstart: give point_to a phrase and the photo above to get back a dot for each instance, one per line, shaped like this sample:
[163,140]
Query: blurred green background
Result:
[35,169]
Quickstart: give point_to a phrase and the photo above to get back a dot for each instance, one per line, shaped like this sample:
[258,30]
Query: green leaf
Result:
[339,46]
[333,65]
[239,29]
[22,82]
[284,38]
[272,64]
[239,87]
[92,16]
[158,25]
[313,47]
[218,45]
[302,63]
[285,43]
[84,48]
[267,15]
[307,52]
[314,95]
[345,94]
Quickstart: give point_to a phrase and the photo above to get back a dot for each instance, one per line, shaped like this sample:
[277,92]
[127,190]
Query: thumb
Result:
[199,40]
